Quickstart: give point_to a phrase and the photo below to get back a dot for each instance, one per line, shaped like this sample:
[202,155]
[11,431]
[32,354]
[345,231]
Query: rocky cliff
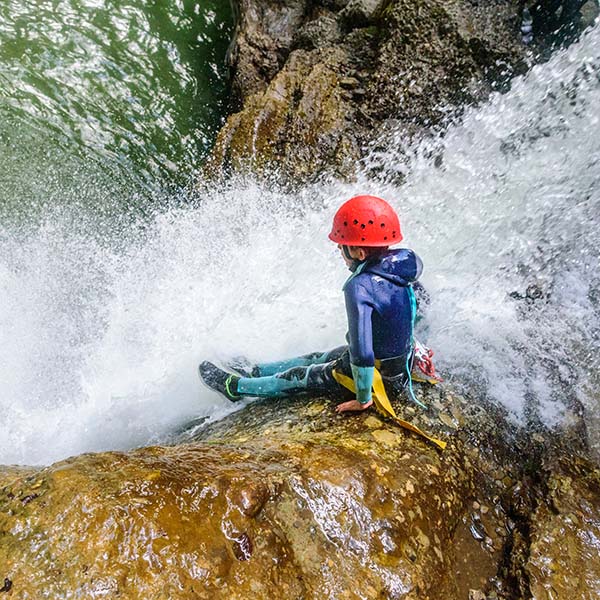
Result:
[318,84]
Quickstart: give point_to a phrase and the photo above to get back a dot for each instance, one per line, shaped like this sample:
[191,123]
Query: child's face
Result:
[355,254]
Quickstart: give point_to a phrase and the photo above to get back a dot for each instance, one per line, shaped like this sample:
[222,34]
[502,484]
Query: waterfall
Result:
[103,319]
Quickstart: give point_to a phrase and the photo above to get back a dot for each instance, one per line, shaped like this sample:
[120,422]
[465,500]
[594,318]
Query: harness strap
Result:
[424,378]
[384,406]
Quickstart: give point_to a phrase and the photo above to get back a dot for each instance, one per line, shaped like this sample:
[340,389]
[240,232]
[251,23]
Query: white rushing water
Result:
[100,340]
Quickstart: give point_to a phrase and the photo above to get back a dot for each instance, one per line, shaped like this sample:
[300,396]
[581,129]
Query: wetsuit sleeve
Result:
[363,380]
[359,309]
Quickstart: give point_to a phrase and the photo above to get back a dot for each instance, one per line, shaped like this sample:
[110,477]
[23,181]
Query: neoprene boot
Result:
[220,381]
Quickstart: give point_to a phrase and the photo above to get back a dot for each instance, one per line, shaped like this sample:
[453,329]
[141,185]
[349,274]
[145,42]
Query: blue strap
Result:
[413,316]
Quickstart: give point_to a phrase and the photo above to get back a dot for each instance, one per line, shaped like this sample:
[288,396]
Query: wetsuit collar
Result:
[356,270]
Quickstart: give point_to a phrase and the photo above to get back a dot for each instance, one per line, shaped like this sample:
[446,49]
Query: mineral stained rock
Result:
[288,499]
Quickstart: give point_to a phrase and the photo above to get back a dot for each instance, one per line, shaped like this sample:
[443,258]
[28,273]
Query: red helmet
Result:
[366,221]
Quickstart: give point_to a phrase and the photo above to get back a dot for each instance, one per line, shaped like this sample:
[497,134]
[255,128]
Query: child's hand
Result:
[352,405]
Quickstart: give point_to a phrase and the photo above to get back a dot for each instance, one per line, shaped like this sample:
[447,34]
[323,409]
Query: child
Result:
[381,308]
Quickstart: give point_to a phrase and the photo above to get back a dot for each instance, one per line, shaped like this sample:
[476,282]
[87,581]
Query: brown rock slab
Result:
[564,559]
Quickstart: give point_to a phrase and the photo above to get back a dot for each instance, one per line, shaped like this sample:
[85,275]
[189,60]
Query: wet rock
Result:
[27,499]
[414,60]
[589,13]
[565,529]
[419,64]
[319,33]
[373,422]
[242,547]
[477,530]
[349,83]
[251,498]
[385,436]
[302,115]
[448,421]
[287,497]
[361,13]
[237,519]
[264,34]
[559,22]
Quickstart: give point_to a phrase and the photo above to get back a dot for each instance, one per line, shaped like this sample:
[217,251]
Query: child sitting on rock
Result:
[381,310]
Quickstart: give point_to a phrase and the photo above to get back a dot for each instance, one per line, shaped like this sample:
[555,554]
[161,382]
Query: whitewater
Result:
[104,318]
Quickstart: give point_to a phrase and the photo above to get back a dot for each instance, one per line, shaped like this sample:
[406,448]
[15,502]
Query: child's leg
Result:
[314,358]
[312,379]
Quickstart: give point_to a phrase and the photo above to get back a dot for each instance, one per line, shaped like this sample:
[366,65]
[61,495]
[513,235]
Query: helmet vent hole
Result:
[355,221]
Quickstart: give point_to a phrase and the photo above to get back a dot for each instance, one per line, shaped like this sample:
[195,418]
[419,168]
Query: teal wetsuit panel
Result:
[272,386]
[312,373]
[316,358]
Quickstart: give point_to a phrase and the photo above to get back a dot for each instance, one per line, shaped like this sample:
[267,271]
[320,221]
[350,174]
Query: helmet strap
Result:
[354,264]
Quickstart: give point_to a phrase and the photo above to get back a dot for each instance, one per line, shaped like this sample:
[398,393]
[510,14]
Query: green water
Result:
[106,99]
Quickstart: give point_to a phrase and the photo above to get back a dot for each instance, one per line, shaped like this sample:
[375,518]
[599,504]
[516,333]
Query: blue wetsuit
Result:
[379,308]
[379,300]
